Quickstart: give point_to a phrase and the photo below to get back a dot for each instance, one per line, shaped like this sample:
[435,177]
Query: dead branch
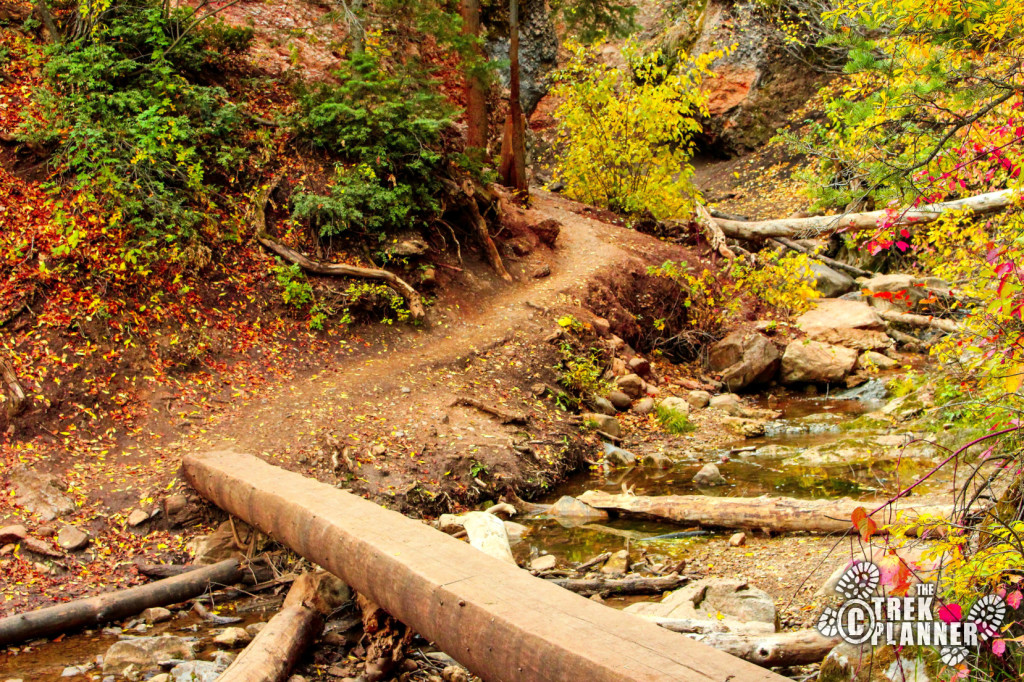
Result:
[273,653]
[947,326]
[411,296]
[480,225]
[778,649]
[112,606]
[622,586]
[504,416]
[851,270]
[713,233]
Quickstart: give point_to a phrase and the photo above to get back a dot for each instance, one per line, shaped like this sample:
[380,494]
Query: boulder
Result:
[815,362]
[40,493]
[657,460]
[618,457]
[743,427]
[727,402]
[644,406]
[639,366]
[630,384]
[570,509]
[515,531]
[232,638]
[198,671]
[675,405]
[903,293]
[12,534]
[72,539]
[698,399]
[847,323]
[145,653]
[487,533]
[602,326]
[603,406]
[603,422]
[708,598]
[829,283]
[873,360]
[220,544]
[547,231]
[156,614]
[708,476]
[744,359]
[543,563]
[620,401]
[137,517]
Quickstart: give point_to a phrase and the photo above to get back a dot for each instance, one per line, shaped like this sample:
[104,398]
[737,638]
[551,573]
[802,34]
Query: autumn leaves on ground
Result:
[176,181]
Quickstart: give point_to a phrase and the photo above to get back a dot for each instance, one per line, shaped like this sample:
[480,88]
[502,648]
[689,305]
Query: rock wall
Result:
[538,49]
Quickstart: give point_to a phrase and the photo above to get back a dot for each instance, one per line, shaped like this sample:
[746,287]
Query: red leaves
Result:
[863,523]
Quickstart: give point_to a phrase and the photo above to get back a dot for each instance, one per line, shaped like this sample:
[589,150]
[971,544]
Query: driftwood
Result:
[851,270]
[273,653]
[948,326]
[504,416]
[622,586]
[112,606]
[792,227]
[713,233]
[778,649]
[404,289]
[772,514]
[493,617]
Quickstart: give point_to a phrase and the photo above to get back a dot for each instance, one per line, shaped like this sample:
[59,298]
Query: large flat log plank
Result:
[494,618]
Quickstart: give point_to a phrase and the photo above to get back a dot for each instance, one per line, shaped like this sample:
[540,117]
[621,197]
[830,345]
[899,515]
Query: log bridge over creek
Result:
[499,621]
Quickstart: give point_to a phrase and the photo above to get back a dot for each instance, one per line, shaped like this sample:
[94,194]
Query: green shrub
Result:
[128,125]
[386,129]
[581,375]
[672,421]
[295,289]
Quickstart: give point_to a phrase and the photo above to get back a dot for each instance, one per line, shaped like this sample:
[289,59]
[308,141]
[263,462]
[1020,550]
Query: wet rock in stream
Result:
[146,653]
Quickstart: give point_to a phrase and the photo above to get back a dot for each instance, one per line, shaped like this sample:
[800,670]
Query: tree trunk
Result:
[45,16]
[112,606]
[482,233]
[476,92]
[773,514]
[512,168]
[17,401]
[621,587]
[493,617]
[948,326]
[851,270]
[273,653]
[779,649]
[793,227]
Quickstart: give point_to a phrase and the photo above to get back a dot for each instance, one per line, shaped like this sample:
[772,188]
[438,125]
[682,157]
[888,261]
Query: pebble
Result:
[738,540]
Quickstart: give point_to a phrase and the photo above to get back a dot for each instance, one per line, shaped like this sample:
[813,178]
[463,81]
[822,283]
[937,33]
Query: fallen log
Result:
[851,270]
[111,606]
[622,586]
[792,227]
[948,326]
[493,617]
[779,649]
[505,416]
[251,575]
[276,649]
[773,514]
[699,626]
[713,233]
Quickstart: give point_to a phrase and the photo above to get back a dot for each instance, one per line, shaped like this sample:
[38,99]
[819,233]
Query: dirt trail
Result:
[458,330]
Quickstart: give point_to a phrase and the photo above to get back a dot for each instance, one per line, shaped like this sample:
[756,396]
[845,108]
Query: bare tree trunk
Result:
[622,586]
[773,514]
[493,617]
[948,326]
[273,653]
[476,94]
[512,168]
[779,649]
[43,10]
[793,227]
[851,270]
[116,605]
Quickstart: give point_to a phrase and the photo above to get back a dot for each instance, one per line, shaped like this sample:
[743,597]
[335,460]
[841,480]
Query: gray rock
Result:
[630,384]
[644,406]
[145,653]
[156,614]
[254,628]
[617,564]
[198,671]
[72,539]
[829,283]
[744,359]
[232,638]
[640,366]
[870,359]
[618,457]
[603,422]
[698,399]
[727,402]
[487,533]
[657,460]
[40,493]
[815,362]
[409,248]
[620,400]
[708,597]
[846,323]
[538,53]
[743,427]
[675,405]
[603,406]
[708,476]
